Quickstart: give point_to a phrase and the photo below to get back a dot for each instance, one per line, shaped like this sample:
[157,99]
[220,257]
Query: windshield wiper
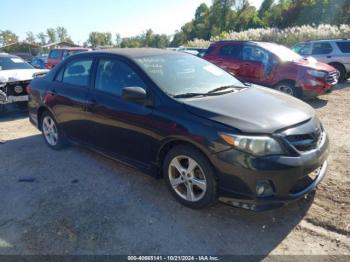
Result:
[188,95]
[213,92]
[222,88]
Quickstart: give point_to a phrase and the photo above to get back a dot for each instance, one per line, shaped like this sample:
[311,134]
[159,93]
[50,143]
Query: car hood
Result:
[252,110]
[7,76]
[312,63]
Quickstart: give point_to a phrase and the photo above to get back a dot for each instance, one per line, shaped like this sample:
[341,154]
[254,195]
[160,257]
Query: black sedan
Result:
[179,117]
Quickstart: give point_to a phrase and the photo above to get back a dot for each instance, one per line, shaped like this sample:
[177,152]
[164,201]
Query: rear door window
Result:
[78,72]
[231,51]
[344,46]
[55,54]
[322,48]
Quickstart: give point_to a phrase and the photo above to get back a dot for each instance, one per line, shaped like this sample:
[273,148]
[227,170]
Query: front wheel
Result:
[289,88]
[341,71]
[52,134]
[190,177]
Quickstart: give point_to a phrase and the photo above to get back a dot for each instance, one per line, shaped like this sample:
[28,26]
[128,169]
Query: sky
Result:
[80,17]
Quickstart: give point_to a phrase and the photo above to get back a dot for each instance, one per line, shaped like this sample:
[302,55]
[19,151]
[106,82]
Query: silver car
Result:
[335,52]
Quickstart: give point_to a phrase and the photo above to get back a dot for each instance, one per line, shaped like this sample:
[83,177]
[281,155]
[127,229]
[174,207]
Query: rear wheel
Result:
[190,177]
[52,134]
[289,88]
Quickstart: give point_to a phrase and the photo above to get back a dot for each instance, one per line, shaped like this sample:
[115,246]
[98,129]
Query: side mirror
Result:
[135,94]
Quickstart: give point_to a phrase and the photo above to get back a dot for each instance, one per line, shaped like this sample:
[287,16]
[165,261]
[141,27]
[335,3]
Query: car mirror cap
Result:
[135,94]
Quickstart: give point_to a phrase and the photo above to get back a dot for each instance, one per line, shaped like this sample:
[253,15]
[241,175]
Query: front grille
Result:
[305,181]
[306,142]
[332,77]
[10,88]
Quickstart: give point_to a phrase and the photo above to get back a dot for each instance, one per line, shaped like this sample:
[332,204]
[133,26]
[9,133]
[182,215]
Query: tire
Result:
[196,188]
[342,72]
[289,88]
[52,133]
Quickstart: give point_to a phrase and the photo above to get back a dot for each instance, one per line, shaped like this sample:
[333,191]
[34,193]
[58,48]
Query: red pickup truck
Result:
[274,66]
[59,54]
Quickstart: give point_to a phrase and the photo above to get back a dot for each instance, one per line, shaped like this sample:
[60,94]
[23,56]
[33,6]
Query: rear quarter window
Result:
[344,46]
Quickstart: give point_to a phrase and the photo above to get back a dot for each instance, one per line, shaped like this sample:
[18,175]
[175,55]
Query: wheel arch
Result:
[41,111]
[338,63]
[169,144]
[291,81]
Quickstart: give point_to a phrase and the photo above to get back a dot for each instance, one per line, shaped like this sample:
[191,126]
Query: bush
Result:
[288,36]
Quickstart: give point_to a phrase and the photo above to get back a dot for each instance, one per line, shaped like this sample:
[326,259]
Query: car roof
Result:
[253,42]
[326,40]
[133,53]
[7,55]
[70,48]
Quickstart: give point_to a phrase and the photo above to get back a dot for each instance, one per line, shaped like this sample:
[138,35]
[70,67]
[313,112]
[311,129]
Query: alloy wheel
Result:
[286,89]
[50,131]
[187,178]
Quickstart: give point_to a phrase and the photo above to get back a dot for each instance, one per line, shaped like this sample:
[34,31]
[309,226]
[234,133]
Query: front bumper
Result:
[12,99]
[313,87]
[239,174]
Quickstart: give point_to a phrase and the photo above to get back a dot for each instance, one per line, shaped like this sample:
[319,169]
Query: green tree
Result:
[51,34]
[100,39]
[7,37]
[42,38]
[62,34]
[30,38]
[265,7]
[118,40]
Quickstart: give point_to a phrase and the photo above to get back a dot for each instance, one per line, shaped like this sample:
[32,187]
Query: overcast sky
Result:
[127,17]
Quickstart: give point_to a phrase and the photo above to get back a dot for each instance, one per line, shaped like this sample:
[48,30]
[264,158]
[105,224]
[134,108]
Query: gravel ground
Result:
[82,203]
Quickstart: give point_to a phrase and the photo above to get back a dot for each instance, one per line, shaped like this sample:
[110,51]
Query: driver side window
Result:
[255,54]
[113,75]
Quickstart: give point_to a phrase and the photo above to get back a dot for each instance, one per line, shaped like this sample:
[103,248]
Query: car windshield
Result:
[12,63]
[283,53]
[178,74]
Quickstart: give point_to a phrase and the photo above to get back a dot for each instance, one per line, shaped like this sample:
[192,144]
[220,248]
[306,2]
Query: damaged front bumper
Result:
[13,92]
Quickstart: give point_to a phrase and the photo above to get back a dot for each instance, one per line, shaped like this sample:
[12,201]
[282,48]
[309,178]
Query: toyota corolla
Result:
[176,116]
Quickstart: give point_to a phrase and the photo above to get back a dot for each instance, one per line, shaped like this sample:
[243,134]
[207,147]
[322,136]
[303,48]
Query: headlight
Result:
[316,73]
[255,145]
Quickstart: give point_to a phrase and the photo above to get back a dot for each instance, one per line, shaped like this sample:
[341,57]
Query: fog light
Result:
[18,89]
[264,188]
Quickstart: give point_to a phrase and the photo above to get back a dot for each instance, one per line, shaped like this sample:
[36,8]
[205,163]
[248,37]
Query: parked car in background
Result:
[59,54]
[40,62]
[15,75]
[28,57]
[274,66]
[335,52]
[190,50]
[182,118]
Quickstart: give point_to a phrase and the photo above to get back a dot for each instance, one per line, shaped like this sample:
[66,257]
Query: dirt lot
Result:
[83,203]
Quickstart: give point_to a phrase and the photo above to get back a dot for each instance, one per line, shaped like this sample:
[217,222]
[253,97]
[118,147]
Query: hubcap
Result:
[286,89]
[187,178]
[50,130]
